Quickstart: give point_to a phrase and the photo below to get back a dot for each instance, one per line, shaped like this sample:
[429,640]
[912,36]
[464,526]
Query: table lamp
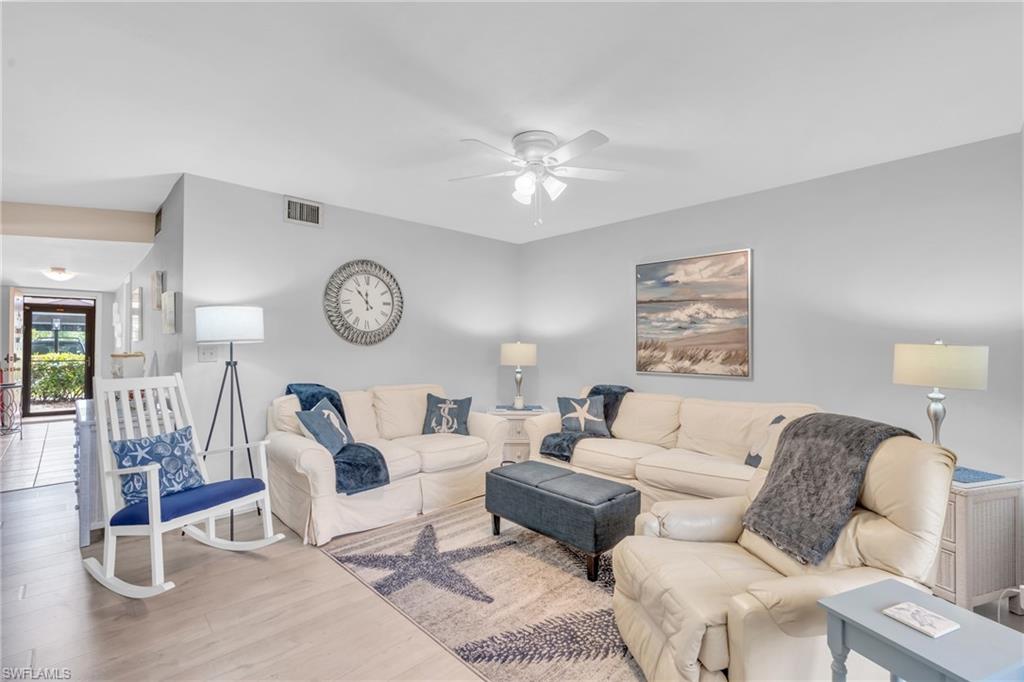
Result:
[935,365]
[230,324]
[518,355]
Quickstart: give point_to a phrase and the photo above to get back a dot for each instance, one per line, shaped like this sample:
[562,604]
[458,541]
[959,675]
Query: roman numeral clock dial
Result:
[363,302]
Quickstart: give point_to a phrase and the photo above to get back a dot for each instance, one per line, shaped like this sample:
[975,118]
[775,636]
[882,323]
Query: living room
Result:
[686,228]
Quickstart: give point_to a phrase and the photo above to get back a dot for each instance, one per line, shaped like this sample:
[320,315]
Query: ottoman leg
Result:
[495,524]
[593,560]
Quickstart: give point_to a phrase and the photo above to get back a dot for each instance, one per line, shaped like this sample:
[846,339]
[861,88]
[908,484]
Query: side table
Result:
[10,409]
[982,550]
[980,649]
[517,443]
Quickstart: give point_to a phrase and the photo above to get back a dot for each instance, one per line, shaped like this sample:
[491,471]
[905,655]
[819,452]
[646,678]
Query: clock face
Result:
[362,302]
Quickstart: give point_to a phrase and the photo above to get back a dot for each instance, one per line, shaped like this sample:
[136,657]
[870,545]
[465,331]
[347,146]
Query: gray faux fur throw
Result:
[814,482]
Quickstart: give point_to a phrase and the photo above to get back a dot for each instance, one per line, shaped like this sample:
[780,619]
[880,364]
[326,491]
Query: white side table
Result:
[981,553]
[517,443]
[980,649]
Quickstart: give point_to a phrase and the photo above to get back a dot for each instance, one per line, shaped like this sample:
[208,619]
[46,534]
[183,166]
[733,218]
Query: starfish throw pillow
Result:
[583,415]
[172,451]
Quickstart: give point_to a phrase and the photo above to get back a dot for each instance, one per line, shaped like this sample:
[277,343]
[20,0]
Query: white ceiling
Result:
[363,105]
[101,265]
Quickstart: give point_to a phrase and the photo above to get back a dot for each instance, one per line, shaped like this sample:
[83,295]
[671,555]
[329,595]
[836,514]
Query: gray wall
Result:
[458,289]
[163,351]
[844,266]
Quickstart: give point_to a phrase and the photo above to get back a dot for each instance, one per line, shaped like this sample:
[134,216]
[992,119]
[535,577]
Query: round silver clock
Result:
[363,302]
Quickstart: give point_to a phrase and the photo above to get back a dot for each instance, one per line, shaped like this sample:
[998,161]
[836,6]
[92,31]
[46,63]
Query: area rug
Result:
[517,606]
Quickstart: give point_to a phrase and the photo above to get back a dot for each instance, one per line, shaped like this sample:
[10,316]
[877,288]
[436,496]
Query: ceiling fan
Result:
[539,160]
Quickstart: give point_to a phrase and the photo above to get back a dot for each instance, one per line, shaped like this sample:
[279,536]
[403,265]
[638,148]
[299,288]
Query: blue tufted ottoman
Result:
[589,513]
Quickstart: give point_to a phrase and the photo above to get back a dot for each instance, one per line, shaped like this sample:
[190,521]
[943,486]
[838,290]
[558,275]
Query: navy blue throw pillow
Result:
[583,415]
[447,415]
[172,451]
[325,425]
[757,454]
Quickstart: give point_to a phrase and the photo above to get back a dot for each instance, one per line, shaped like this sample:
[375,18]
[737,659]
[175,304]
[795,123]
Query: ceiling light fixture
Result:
[58,274]
[553,186]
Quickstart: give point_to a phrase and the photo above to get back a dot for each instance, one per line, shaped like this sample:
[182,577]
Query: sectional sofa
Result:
[427,471]
[675,448]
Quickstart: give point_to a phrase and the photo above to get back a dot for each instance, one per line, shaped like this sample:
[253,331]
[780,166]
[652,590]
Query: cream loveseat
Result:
[672,448]
[698,597]
[427,471]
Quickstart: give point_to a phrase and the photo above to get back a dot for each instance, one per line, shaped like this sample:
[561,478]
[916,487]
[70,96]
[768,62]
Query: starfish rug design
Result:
[426,562]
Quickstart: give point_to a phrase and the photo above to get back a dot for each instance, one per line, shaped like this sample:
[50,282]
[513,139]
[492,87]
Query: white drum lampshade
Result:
[940,366]
[229,324]
[518,354]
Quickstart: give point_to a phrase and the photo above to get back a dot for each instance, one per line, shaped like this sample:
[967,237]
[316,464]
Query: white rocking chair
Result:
[131,408]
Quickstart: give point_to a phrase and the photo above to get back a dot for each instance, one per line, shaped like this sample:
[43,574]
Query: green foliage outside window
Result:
[58,377]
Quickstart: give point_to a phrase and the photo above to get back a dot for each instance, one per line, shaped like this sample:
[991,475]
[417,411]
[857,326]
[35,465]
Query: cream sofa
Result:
[427,471]
[672,448]
[698,597]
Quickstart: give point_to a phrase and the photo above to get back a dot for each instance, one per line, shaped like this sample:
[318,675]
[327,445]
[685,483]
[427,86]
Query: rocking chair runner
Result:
[132,408]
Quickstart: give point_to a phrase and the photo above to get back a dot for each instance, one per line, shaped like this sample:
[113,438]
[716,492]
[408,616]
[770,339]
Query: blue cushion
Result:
[172,451]
[325,425]
[179,504]
[447,415]
[583,415]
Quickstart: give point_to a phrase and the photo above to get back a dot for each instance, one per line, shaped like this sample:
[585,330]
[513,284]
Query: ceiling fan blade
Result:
[499,174]
[602,174]
[575,147]
[500,152]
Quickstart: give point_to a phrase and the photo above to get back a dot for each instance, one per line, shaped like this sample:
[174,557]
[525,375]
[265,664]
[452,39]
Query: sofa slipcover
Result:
[694,472]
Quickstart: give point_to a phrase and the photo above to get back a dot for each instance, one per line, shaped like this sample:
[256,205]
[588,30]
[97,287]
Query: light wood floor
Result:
[285,612]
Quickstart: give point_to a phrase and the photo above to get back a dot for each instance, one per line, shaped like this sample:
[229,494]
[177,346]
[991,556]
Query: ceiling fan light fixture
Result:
[553,186]
[58,274]
[526,183]
[522,198]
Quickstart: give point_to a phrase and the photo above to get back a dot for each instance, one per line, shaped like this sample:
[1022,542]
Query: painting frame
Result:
[748,337]
[136,314]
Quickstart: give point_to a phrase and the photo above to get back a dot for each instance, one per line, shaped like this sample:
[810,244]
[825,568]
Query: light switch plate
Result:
[207,353]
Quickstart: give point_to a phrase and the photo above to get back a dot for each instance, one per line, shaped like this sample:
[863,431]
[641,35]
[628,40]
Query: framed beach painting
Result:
[693,315]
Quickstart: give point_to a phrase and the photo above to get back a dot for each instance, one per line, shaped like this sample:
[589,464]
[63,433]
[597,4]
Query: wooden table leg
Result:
[838,648]
[495,524]
[593,561]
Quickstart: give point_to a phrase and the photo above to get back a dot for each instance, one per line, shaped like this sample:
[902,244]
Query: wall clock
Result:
[363,302]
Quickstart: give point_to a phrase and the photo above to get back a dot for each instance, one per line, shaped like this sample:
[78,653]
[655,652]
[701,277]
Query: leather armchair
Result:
[698,597]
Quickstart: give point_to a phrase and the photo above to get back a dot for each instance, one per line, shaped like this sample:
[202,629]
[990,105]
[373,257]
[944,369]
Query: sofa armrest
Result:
[792,602]
[303,462]
[491,428]
[715,520]
[540,426]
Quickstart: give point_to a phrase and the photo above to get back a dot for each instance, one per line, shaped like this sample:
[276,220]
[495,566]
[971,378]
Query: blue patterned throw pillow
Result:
[324,425]
[583,415]
[447,415]
[172,451]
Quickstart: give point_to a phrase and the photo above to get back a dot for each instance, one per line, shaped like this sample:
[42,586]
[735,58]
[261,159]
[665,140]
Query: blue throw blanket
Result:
[357,466]
[562,444]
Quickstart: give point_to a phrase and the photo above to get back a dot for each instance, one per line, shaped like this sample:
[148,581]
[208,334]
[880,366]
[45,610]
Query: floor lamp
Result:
[230,324]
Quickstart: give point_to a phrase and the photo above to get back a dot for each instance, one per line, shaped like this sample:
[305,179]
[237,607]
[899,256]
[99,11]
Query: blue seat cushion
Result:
[195,499]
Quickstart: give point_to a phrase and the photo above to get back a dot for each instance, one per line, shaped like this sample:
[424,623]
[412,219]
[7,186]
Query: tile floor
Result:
[44,456]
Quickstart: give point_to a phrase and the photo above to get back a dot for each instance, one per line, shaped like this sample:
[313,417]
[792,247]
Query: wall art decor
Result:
[693,315]
[167,313]
[136,314]
[156,288]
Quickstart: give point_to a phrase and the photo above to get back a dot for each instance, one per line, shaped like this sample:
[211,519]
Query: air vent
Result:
[301,211]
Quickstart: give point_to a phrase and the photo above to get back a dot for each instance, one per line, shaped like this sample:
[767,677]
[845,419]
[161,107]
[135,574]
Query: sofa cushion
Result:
[282,410]
[401,409]
[402,461]
[648,418]
[441,451]
[611,456]
[359,415]
[733,429]
[694,473]
[685,588]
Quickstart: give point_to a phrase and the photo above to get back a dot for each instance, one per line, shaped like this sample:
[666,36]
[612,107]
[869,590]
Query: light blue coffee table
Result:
[980,650]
